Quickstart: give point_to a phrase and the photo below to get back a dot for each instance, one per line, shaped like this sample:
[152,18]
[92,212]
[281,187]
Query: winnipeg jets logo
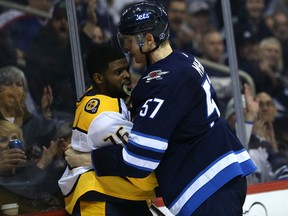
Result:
[157,75]
[142,16]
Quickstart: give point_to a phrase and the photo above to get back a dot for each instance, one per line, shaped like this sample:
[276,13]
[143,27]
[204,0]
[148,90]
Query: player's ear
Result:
[98,78]
[149,39]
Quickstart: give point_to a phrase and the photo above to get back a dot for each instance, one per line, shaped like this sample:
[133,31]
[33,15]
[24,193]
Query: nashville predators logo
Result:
[92,106]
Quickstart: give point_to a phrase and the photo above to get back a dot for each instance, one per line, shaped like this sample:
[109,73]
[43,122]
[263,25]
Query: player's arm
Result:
[136,159]
[148,139]
[154,124]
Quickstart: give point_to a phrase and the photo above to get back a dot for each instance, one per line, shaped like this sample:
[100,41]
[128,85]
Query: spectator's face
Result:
[5,138]
[12,84]
[281,26]
[199,20]
[271,53]
[255,8]
[267,109]
[12,94]
[176,15]
[97,35]
[60,26]
[117,79]
[213,46]
[249,51]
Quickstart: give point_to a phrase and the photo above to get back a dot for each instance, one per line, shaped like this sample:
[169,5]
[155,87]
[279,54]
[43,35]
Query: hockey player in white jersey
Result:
[102,119]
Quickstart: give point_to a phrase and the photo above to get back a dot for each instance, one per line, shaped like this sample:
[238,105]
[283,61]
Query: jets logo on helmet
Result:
[145,17]
[142,16]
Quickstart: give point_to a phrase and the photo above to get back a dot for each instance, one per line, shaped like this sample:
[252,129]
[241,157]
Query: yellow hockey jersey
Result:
[99,121]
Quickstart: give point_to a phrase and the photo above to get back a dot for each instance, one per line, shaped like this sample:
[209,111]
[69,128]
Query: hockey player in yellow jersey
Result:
[101,119]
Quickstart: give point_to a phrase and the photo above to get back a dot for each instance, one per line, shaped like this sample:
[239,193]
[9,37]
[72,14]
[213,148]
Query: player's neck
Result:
[162,52]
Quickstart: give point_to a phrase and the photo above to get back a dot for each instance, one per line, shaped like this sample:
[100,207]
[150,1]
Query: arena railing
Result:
[226,70]
[26,9]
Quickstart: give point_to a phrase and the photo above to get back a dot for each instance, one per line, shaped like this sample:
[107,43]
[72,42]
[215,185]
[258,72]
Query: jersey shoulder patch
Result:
[92,105]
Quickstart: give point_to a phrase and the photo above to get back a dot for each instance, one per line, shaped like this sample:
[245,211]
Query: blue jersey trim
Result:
[200,174]
[248,167]
[149,136]
[210,188]
[138,167]
[238,163]
[141,157]
[146,147]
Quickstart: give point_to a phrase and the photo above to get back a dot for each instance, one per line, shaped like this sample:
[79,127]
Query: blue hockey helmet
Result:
[145,17]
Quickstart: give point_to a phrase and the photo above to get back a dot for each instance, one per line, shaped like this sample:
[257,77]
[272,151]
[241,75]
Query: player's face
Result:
[130,45]
[117,79]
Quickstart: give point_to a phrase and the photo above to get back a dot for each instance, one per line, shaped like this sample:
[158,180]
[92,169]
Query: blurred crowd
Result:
[38,91]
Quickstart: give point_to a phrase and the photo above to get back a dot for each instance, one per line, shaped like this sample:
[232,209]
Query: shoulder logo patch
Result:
[155,75]
[92,106]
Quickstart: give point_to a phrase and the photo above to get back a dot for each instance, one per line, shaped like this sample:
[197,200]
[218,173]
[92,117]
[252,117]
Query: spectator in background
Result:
[280,30]
[212,13]
[259,155]
[264,136]
[259,114]
[285,54]
[10,159]
[280,25]
[104,11]
[15,106]
[24,27]
[237,8]
[8,54]
[266,117]
[213,49]
[280,129]
[251,109]
[91,34]
[252,22]
[272,79]
[177,11]
[277,6]
[30,183]
[49,62]
[98,36]
[195,26]
[247,48]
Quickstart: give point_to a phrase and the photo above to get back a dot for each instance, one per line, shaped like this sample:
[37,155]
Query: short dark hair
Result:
[172,1]
[98,59]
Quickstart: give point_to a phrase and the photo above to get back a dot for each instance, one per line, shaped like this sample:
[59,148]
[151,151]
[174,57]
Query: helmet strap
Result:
[148,62]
